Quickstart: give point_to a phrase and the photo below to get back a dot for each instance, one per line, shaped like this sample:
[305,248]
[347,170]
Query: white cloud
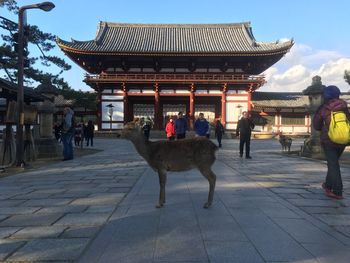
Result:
[294,72]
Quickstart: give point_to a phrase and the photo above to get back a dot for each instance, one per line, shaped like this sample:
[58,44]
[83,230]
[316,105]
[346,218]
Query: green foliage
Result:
[45,42]
[82,99]
[347,76]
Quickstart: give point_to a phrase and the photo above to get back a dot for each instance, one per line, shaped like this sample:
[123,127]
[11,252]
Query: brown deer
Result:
[181,155]
[285,141]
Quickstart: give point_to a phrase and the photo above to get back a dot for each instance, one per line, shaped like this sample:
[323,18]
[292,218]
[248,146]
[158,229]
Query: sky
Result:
[319,28]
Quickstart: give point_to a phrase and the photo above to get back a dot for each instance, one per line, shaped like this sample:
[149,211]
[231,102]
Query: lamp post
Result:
[46,6]
[110,114]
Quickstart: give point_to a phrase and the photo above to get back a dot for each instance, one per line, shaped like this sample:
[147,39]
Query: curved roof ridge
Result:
[217,25]
[101,31]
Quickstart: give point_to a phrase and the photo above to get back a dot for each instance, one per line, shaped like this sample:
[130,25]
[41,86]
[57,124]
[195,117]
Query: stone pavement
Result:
[101,208]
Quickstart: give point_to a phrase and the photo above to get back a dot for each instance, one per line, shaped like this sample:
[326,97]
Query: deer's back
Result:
[182,155]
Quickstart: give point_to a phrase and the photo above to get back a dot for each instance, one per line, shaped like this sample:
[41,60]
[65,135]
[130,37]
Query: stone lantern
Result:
[47,145]
[312,146]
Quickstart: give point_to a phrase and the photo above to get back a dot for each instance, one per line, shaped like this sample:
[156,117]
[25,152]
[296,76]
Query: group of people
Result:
[84,132]
[177,129]
[67,131]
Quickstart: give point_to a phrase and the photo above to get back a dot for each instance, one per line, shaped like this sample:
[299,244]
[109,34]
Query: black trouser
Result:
[88,139]
[219,137]
[333,178]
[244,140]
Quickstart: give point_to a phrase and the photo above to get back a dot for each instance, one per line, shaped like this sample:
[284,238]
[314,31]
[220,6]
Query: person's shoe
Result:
[248,157]
[325,188]
[241,155]
[334,196]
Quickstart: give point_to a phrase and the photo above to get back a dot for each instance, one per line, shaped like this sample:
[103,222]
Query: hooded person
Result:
[333,185]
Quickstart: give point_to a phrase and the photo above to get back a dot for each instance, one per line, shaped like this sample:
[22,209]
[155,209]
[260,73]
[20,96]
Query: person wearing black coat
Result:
[244,131]
[89,133]
[219,131]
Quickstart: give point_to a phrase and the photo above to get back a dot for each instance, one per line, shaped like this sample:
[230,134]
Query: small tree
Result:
[347,76]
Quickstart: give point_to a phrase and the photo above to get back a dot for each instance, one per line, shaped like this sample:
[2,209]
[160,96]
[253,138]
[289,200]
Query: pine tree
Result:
[34,36]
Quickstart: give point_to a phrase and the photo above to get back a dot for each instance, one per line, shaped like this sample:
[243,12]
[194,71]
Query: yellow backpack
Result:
[339,128]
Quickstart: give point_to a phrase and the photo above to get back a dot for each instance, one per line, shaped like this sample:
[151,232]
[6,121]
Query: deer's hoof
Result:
[159,205]
[207,205]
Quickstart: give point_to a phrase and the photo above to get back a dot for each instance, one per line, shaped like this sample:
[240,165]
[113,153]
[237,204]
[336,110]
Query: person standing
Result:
[333,184]
[89,132]
[201,126]
[170,130]
[180,126]
[244,131]
[67,133]
[146,127]
[219,131]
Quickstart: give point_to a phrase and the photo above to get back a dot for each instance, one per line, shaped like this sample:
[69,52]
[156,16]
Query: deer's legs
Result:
[162,182]
[209,174]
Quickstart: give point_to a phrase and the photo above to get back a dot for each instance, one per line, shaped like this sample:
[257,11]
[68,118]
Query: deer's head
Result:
[131,129]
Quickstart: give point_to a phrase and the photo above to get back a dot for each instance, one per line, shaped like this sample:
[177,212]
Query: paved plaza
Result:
[101,208]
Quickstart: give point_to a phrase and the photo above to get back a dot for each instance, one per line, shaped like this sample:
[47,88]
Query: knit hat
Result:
[331,92]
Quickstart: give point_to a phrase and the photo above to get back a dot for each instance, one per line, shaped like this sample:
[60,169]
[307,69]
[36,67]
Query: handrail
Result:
[173,77]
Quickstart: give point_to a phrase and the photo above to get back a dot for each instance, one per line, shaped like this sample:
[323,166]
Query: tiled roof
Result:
[285,99]
[29,93]
[279,99]
[228,39]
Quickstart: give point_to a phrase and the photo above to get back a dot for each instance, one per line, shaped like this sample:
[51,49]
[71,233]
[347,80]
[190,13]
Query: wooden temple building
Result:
[157,70]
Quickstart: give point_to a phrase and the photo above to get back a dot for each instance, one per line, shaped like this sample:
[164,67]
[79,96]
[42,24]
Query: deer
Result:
[285,141]
[174,156]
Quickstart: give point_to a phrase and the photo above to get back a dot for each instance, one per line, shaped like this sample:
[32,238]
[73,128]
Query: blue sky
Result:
[320,29]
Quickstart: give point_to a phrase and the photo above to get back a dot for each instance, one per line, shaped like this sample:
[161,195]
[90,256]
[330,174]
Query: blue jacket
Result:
[201,127]
[181,126]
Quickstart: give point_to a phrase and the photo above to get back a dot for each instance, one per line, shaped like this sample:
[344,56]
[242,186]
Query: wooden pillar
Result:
[308,123]
[156,107]
[192,105]
[250,91]
[278,116]
[126,116]
[223,105]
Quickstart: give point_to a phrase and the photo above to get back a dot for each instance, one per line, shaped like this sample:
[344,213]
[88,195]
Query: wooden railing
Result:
[188,78]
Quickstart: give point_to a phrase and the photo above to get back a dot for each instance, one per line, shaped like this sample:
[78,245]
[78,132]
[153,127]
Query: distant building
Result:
[158,70]
[283,111]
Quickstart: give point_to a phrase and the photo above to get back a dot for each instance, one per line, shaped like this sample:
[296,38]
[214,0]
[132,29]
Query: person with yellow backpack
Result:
[332,119]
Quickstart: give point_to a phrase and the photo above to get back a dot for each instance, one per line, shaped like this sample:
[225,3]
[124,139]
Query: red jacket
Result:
[170,129]
[322,119]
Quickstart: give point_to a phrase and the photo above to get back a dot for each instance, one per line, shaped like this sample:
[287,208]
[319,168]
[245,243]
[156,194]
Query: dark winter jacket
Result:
[201,127]
[322,119]
[219,129]
[244,127]
[180,126]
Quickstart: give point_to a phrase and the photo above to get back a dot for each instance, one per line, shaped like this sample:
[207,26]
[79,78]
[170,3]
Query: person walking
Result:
[244,131]
[170,130]
[180,126]
[89,133]
[146,127]
[333,184]
[201,126]
[67,133]
[219,131]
